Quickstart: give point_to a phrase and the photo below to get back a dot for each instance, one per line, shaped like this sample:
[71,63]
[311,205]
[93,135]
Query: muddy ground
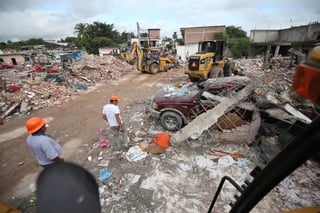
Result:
[183,179]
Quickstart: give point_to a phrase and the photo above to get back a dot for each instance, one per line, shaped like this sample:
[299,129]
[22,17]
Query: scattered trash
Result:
[225,161]
[89,158]
[132,178]
[104,174]
[80,86]
[154,149]
[162,139]
[287,184]
[103,143]
[135,153]
[184,167]
[104,163]
[218,154]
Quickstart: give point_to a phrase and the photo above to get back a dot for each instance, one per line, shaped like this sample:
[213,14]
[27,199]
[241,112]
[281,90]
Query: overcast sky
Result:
[56,19]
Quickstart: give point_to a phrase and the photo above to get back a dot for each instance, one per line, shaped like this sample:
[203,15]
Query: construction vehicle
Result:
[148,59]
[208,62]
[302,146]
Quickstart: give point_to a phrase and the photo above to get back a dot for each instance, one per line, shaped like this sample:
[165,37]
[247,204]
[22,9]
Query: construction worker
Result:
[111,114]
[46,150]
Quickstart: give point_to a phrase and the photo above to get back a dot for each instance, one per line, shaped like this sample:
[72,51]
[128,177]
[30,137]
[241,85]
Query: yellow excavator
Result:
[148,59]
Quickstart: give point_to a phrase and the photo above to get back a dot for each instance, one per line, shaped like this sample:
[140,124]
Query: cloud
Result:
[55,19]
[33,24]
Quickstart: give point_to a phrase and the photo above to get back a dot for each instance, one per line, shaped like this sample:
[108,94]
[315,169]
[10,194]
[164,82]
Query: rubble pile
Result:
[34,88]
[273,83]
[184,176]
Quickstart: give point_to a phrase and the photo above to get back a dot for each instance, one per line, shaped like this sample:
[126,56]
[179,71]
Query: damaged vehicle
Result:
[177,105]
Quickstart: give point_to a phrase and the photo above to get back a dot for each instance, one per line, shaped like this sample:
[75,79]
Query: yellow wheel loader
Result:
[208,62]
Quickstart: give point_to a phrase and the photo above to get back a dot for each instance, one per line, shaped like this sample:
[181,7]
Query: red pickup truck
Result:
[177,105]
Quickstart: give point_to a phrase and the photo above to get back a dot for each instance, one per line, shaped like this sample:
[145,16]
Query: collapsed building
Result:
[257,114]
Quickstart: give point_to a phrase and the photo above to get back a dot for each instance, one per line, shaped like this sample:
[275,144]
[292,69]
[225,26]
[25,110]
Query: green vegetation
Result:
[93,36]
[18,45]
[88,36]
[238,42]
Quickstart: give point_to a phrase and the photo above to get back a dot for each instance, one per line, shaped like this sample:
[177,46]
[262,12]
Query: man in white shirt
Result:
[111,114]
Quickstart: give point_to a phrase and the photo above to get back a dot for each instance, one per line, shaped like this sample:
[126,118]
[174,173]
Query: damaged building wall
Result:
[16,59]
[300,38]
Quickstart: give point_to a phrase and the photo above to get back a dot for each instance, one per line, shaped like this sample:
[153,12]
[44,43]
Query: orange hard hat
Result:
[114,98]
[34,124]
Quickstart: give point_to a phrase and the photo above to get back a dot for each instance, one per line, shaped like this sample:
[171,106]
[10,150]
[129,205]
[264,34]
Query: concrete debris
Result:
[241,133]
[207,119]
[237,121]
[39,86]
[137,181]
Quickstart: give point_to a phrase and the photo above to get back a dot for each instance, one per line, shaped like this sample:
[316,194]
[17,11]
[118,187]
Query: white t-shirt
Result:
[110,110]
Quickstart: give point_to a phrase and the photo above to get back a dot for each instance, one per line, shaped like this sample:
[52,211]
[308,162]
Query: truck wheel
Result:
[216,72]
[154,68]
[171,121]
[227,69]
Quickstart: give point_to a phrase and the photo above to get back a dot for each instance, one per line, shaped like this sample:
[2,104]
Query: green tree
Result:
[33,41]
[81,30]
[97,42]
[98,34]
[221,36]
[235,32]
[240,47]
[238,42]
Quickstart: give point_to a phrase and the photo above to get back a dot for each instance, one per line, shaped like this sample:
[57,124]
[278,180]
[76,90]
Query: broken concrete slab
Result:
[243,134]
[231,79]
[207,119]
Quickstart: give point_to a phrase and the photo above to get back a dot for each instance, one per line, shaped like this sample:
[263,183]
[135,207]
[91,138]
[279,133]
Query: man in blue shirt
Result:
[46,150]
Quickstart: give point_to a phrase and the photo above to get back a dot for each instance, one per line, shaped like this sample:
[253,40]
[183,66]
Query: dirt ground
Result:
[183,179]
[72,124]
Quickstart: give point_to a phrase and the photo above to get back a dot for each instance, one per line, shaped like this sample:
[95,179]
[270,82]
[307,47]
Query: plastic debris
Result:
[135,153]
[225,161]
[104,174]
[103,143]
[184,167]
[104,163]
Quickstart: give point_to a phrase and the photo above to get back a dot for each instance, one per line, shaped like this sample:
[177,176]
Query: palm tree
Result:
[81,30]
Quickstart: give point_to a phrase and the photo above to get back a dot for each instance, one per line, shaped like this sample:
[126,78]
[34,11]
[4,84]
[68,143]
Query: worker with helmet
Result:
[46,150]
[111,114]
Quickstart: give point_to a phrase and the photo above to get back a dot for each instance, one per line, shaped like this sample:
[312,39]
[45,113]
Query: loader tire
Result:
[227,71]
[154,68]
[216,72]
